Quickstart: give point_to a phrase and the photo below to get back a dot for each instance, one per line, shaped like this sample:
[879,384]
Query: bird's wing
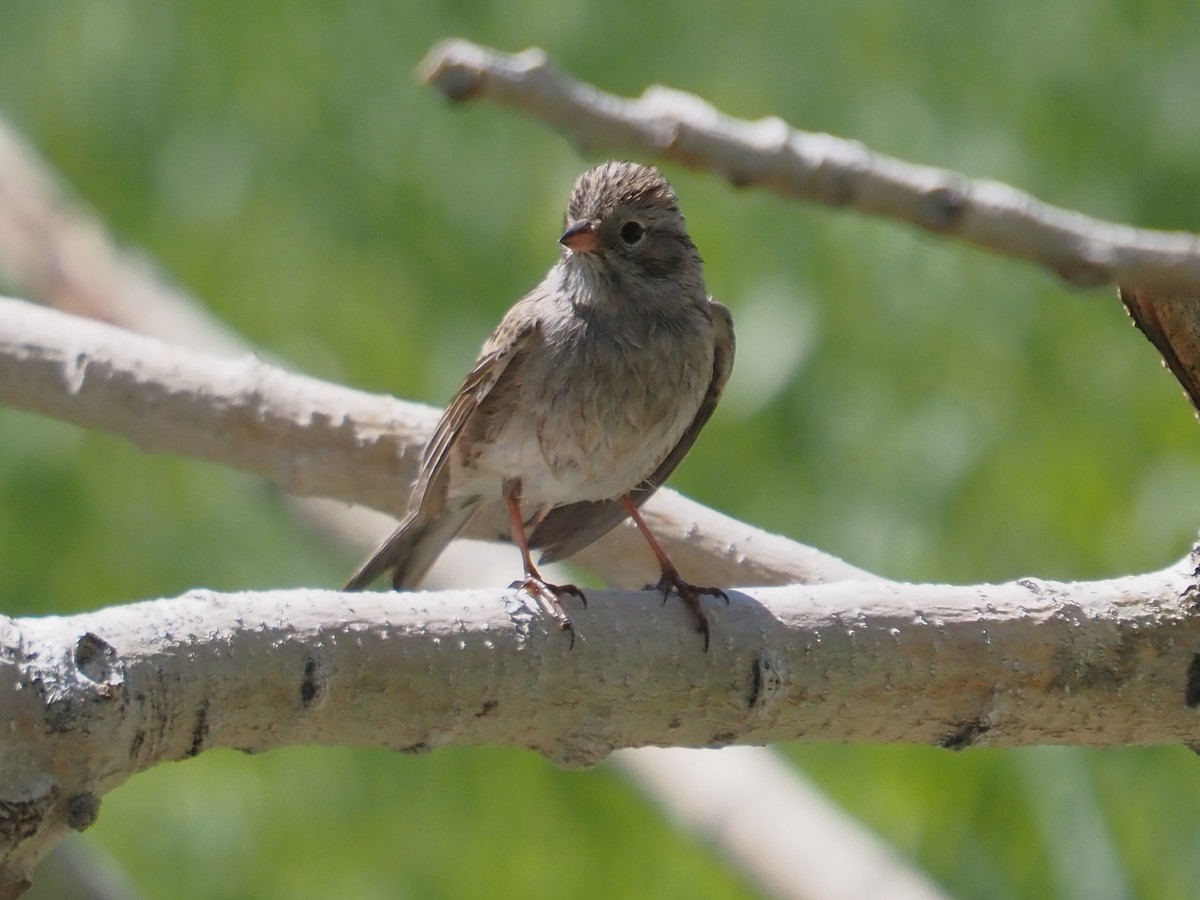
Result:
[509,342]
[429,526]
[568,529]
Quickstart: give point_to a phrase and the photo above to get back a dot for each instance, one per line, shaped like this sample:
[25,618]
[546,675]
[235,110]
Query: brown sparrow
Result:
[584,400]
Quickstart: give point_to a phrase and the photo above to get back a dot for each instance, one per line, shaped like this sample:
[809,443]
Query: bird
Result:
[586,397]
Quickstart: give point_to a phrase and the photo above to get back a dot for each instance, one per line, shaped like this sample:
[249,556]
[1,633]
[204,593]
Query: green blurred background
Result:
[915,406]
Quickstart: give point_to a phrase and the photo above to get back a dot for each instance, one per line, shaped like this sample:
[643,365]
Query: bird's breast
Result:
[600,410]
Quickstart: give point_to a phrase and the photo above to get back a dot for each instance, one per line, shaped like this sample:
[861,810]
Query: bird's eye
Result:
[631,232]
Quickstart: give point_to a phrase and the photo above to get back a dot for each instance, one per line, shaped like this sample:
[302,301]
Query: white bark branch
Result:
[318,439]
[670,124]
[94,698]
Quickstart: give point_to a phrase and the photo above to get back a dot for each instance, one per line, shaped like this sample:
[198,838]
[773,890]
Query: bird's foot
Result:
[549,598]
[690,594]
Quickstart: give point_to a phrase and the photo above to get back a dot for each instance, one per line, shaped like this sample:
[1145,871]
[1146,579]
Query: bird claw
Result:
[548,597]
[690,594]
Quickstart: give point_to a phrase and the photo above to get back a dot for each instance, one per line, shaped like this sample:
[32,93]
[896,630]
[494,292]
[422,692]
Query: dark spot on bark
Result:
[1191,695]
[457,84]
[94,657]
[82,810]
[756,680]
[139,738]
[764,681]
[310,687]
[946,207]
[418,747]
[487,708]
[675,723]
[199,731]
[966,735]
[722,739]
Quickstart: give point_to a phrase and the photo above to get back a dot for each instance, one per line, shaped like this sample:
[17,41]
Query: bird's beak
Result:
[580,236]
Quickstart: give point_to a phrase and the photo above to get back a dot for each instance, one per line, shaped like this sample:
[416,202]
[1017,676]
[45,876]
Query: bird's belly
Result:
[597,446]
[562,463]
[593,465]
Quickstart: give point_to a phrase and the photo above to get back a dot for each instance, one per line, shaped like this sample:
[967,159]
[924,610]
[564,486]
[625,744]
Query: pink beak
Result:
[580,237]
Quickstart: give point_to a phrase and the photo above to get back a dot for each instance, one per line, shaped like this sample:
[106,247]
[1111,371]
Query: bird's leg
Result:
[671,580]
[546,594]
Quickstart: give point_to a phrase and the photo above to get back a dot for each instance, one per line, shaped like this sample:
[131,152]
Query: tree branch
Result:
[318,439]
[673,125]
[94,698]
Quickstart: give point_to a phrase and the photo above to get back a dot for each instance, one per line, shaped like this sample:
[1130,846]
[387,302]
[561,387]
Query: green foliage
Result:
[929,412]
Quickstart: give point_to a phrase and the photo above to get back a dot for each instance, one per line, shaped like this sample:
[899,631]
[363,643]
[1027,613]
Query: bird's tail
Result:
[412,548]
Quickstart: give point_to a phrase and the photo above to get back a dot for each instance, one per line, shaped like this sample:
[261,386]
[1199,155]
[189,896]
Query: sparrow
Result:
[589,393]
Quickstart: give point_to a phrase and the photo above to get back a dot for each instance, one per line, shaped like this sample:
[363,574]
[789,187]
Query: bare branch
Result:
[318,439]
[673,125]
[94,698]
